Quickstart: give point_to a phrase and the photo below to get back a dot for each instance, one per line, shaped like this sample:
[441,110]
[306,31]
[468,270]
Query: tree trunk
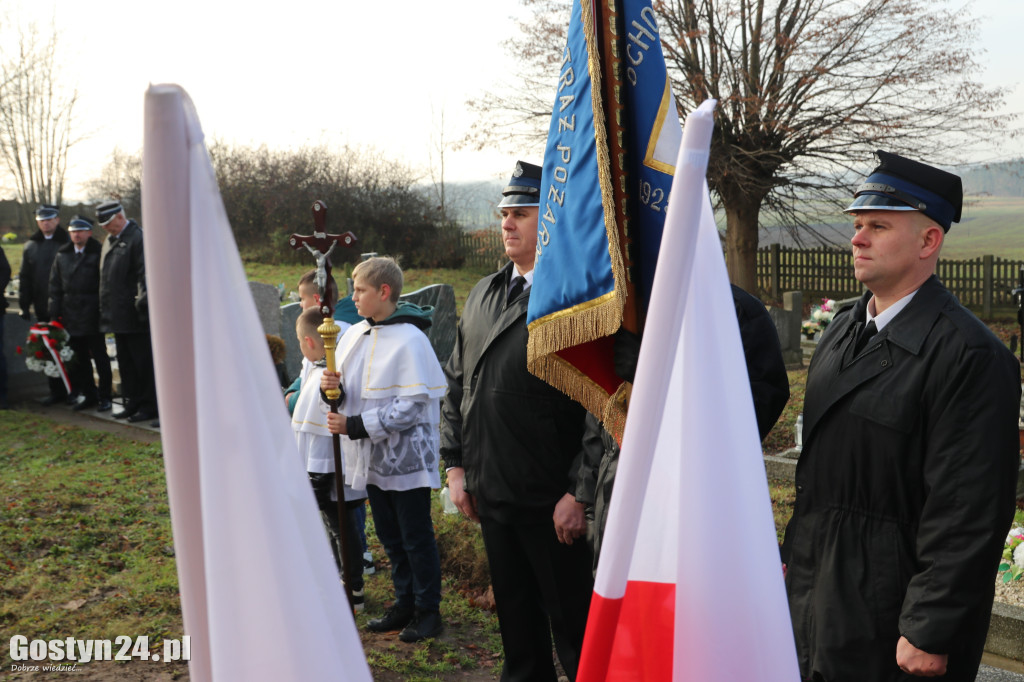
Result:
[741,213]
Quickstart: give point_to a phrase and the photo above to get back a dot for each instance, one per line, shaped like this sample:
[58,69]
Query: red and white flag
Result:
[260,593]
[689,586]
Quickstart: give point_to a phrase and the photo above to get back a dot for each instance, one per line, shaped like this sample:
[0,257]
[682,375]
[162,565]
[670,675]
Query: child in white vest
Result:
[390,413]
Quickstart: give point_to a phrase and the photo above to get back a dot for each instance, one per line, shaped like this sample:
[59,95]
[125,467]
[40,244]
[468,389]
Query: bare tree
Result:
[36,117]
[121,179]
[517,109]
[808,89]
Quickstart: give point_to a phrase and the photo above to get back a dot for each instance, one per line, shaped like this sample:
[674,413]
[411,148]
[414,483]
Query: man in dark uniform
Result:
[34,278]
[906,483]
[75,302]
[769,389]
[510,442]
[124,311]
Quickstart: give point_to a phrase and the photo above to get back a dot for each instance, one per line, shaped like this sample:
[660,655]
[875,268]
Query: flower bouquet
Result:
[809,329]
[823,314]
[1012,565]
[46,350]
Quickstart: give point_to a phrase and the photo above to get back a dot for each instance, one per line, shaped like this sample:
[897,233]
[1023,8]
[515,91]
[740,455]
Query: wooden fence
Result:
[483,249]
[982,283]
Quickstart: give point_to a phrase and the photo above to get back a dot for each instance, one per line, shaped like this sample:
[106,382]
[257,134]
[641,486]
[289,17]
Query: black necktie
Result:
[517,288]
[869,330]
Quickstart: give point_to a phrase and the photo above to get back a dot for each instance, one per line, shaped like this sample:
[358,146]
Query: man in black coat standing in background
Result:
[34,278]
[124,311]
[75,302]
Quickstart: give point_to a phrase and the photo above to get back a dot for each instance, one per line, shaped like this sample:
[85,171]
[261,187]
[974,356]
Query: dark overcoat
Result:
[34,276]
[123,300]
[75,288]
[904,491]
[517,437]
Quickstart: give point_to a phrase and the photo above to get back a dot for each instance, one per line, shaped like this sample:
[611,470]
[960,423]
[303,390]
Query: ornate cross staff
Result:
[321,245]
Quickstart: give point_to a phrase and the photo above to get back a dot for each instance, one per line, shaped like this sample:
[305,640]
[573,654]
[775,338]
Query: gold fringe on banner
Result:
[602,316]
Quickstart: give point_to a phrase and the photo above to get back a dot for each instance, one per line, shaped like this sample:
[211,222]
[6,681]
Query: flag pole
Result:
[608,20]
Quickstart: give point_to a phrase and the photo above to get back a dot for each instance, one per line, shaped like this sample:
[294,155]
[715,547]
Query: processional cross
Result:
[321,245]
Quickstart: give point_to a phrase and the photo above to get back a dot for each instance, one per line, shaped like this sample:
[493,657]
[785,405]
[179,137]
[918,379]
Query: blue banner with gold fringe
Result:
[606,146]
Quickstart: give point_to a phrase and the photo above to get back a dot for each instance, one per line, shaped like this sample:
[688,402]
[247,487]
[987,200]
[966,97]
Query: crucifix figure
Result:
[321,245]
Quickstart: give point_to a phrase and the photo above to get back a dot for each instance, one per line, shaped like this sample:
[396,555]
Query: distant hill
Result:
[990,225]
[473,205]
[997,179]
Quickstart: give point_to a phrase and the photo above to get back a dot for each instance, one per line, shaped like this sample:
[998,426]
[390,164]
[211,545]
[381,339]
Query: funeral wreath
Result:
[46,350]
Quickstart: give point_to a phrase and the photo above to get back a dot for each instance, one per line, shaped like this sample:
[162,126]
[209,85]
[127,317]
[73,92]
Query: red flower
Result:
[40,355]
[18,350]
[32,338]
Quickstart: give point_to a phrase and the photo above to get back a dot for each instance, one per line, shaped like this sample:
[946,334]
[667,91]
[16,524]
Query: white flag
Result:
[260,592]
[689,586]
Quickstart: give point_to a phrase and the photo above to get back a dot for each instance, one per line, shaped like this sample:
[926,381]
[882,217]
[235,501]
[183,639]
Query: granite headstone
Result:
[293,355]
[268,306]
[443,322]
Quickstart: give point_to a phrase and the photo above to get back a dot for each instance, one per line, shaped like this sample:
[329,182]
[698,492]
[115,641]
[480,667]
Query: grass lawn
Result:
[86,551]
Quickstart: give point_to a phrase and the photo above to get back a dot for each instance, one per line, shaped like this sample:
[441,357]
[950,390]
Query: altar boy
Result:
[392,386]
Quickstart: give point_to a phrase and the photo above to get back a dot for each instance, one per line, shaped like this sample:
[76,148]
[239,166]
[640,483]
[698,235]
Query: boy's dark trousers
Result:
[323,484]
[404,527]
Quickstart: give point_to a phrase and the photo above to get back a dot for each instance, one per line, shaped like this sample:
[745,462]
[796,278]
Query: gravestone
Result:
[268,306]
[788,320]
[293,355]
[443,321]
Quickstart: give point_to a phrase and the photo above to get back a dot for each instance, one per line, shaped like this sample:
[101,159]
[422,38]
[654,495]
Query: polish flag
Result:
[260,594]
[689,586]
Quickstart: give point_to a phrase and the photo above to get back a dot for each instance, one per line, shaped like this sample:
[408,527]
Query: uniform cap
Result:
[106,212]
[79,223]
[524,187]
[47,211]
[900,184]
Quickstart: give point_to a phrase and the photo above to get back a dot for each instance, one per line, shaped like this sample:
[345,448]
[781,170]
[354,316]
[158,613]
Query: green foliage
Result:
[268,196]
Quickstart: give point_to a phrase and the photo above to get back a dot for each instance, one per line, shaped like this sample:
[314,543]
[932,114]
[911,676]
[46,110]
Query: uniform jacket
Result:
[123,303]
[516,436]
[905,490]
[34,277]
[75,288]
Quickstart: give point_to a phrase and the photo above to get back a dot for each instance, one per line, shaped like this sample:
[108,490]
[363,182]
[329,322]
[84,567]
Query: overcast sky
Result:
[364,73]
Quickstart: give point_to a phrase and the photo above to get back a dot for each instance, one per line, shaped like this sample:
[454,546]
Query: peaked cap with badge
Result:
[901,184]
[524,187]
